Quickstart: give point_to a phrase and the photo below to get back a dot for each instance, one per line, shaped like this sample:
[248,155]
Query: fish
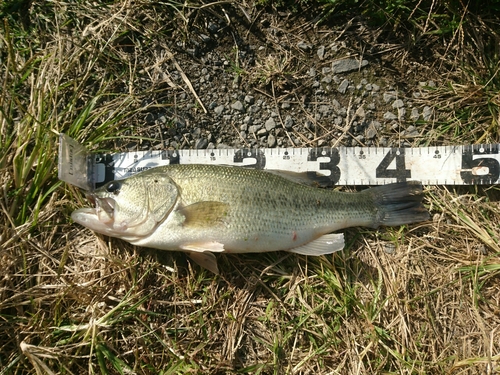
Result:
[208,209]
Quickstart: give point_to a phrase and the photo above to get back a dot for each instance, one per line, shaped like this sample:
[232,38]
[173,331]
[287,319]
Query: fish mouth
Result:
[104,208]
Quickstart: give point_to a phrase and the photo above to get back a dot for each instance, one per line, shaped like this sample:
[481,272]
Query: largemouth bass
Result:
[206,209]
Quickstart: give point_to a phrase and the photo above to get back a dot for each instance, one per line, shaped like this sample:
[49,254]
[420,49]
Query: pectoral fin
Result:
[206,260]
[327,244]
[204,214]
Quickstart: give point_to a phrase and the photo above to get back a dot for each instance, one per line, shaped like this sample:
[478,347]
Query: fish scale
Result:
[261,200]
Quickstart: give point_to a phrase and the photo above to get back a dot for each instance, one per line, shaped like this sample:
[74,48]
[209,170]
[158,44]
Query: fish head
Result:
[131,208]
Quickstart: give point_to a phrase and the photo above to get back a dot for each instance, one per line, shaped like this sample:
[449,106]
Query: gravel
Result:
[325,95]
[348,65]
[238,106]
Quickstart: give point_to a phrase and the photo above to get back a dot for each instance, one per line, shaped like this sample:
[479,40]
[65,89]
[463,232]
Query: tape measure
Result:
[441,165]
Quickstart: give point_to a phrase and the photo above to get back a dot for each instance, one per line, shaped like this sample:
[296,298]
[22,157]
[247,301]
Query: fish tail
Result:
[398,203]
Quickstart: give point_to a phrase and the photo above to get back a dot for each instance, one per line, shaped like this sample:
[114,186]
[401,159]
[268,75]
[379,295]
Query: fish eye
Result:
[114,187]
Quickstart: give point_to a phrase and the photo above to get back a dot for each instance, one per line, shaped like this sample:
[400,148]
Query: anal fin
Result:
[206,260]
[327,244]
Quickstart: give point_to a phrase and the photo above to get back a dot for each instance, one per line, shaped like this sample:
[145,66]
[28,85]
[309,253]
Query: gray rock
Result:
[219,109]
[201,143]
[375,87]
[336,105]
[389,96]
[390,116]
[348,65]
[371,133]
[427,113]
[288,122]
[249,99]
[321,52]
[306,47]
[398,103]
[389,248]
[327,79]
[262,132]
[254,108]
[271,141]
[415,115]
[361,113]
[411,131]
[162,119]
[270,124]
[324,109]
[343,86]
[238,106]
[254,128]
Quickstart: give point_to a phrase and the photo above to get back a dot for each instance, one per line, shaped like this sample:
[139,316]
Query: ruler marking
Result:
[447,164]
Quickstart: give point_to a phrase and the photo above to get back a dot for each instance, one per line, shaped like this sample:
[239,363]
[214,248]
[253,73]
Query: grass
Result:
[421,299]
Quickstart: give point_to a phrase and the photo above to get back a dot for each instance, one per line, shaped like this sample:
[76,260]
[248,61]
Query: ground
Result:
[416,299]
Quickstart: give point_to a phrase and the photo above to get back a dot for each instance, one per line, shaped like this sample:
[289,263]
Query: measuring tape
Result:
[441,165]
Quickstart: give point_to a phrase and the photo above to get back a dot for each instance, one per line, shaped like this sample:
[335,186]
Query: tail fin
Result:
[399,203]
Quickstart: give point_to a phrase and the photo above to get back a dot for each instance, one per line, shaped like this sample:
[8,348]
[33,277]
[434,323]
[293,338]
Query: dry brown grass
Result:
[423,299]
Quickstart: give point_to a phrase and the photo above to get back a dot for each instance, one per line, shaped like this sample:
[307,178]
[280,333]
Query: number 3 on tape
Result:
[330,166]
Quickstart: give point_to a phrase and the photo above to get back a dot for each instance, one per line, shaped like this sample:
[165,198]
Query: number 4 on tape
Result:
[399,171]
